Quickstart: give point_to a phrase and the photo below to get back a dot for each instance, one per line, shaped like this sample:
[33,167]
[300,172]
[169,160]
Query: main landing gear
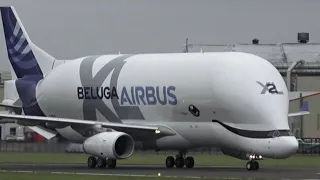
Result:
[180,161]
[101,163]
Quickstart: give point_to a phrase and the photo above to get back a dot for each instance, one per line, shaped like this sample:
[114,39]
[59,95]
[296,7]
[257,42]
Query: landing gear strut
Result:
[101,162]
[180,161]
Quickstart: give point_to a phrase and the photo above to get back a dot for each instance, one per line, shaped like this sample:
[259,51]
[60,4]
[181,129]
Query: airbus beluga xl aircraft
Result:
[113,104]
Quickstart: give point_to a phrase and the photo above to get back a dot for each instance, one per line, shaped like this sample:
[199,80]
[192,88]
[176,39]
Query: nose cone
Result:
[285,147]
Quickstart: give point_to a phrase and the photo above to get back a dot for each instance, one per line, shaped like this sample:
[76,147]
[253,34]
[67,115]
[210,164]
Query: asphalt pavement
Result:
[154,170]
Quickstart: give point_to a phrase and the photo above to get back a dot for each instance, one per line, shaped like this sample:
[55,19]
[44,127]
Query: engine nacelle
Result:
[112,145]
[236,154]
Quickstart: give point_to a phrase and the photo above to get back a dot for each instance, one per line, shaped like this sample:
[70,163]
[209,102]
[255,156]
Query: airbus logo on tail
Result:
[270,87]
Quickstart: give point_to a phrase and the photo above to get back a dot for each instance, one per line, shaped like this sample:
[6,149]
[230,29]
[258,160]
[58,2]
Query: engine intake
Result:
[112,145]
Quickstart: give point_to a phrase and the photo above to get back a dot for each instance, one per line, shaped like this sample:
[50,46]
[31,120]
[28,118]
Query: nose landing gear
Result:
[253,164]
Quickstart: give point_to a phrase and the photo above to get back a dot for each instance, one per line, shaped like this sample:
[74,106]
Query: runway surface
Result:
[153,170]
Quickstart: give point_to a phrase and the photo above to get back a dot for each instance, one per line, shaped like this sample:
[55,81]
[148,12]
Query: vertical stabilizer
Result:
[26,58]
[29,63]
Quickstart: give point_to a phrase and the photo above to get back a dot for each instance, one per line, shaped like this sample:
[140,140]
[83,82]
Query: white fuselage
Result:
[222,88]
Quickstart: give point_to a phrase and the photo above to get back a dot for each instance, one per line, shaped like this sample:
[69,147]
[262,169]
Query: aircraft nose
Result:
[288,146]
[292,145]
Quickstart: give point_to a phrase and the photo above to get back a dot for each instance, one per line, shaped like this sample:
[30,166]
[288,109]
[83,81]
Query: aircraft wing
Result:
[48,134]
[301,113]
[9,106]
[127,128]
[304,110]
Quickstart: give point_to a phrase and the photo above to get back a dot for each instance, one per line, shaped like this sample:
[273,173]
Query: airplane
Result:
[307,146]
[114,104]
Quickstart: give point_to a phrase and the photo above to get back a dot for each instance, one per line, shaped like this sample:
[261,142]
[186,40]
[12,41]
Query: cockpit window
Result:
[279,133]
[276,133]
[270,134]
[256,134]
[265,134]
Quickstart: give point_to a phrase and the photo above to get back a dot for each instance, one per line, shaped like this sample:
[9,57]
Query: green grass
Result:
[201,160]
[48,176]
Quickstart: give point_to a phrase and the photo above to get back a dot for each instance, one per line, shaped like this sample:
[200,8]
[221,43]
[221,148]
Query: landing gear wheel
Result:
[252,165]
[101,163]
[256,165]
[92,162]
[179,162]
[112,163]
[170,162]
[189,162]
[249,165]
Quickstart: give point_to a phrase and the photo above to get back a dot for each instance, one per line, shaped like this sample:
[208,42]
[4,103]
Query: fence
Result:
[7,146]
[309,146]
[44,147]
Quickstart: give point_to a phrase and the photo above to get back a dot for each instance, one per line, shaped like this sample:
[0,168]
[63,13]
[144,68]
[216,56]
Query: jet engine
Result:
[111,145]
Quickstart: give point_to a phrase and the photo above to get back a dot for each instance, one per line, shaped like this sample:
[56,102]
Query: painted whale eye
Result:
[194,110]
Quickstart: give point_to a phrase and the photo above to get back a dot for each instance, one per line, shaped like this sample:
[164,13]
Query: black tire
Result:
[256,165]
[112,163]
[170,162]
[101,163]
[249,166]
[92,162]
[189,162]
[179,162]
